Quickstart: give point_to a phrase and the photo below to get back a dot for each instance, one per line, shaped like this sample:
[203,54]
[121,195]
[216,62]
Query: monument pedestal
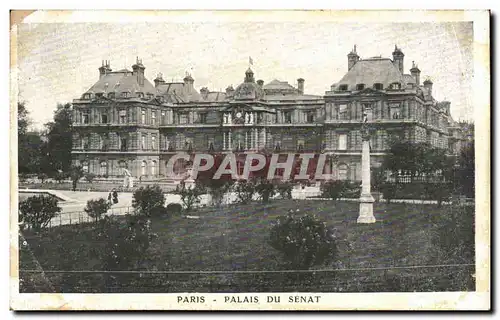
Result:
[366,209]
[366,199]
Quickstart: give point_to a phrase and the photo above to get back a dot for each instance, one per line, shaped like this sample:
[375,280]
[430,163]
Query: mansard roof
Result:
[121,81]
[371,71]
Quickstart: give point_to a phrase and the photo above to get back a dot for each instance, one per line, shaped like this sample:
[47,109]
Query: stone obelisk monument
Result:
[366,199]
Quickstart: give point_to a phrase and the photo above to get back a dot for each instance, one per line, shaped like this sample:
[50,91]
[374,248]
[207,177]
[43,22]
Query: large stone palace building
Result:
[124,121]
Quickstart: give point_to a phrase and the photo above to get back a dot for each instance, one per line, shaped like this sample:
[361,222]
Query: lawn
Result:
[394,254]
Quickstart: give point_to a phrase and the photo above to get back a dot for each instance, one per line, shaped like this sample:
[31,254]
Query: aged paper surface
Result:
[51,53]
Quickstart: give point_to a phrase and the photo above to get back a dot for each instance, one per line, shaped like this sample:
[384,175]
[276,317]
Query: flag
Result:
[250,61]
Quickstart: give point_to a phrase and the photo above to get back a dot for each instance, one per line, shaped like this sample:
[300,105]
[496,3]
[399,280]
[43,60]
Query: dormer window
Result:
[87,96]
[360,86]
[395,86]
[125,94]
[150,96]
[111,95]
[140,95]
[409,85]
[98,95]
[378,86]
[343,87]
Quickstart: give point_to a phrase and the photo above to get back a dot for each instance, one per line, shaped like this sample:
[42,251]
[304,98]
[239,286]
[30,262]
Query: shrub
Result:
[303,241]
[265,189]
[42,177]
[190,196]
[97,208]
[389,191]
[332,189]
[145,199]
[174,209]
[37,211]
[61,176]
[217,188]
[245,189]
[439,191]
[90,177]
[284,190]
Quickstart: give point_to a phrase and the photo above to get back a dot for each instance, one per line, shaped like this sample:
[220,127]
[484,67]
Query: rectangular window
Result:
[153,142]
[163,117]
[342,141]
[183,118]
[85,117]
[153,118]
[343,112]
[300,144]
[310,115]
[86,143]
[143,142]
[104,117]
[143,116]
[123,116]
[287,116]
[202,117]
[395,112]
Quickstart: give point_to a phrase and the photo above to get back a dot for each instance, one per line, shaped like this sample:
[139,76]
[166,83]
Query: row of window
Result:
[104,167]
[113,95]
[376,86]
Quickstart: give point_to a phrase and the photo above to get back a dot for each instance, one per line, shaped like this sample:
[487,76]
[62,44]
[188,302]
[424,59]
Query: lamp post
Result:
[366,199]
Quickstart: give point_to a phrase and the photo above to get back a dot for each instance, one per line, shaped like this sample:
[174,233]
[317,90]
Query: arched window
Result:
[103,168]
[153,168]
[85,166]
[343,171]
[144,168]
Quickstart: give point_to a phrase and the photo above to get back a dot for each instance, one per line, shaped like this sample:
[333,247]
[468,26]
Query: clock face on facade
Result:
[238,115]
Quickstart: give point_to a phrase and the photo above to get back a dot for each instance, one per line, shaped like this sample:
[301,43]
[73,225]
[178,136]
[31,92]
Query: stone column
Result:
[366,200]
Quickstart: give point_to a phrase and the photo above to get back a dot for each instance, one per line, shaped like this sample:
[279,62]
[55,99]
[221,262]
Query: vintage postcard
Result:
[250,160]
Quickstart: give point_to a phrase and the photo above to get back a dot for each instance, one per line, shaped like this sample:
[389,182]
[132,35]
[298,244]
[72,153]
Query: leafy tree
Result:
[245,189]
[303,241]
[37,211]
[97,208]
[284,189]
[466,171]
[190,196]
[76,174]
[265,189]
[29,143]
[60,139]
[146,199]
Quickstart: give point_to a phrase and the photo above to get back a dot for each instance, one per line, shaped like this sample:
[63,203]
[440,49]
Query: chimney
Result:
[229,91]
[398,59]
[189,82]
[138,71]
[104,69]
[260,83]
[159,80]
[415,73]
[300,85]
[428,86]
[204,93]
[352,58]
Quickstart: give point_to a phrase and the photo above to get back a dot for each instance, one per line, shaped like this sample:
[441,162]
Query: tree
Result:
[190,196]
[466,171]
[60,139]
[29,143]
[148,199]
[37,211]
[97,208]
[76,174]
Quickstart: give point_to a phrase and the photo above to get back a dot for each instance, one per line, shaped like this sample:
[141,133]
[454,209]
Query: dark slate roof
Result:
[215,97]
[371,71]
[178,92]
[278,85]
[408,78]
[289,97]
[121,81]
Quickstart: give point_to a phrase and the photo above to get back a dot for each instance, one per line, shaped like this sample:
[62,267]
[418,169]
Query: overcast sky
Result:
[58,62]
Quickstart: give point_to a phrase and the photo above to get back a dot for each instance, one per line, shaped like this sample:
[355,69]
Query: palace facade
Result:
[125,121]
